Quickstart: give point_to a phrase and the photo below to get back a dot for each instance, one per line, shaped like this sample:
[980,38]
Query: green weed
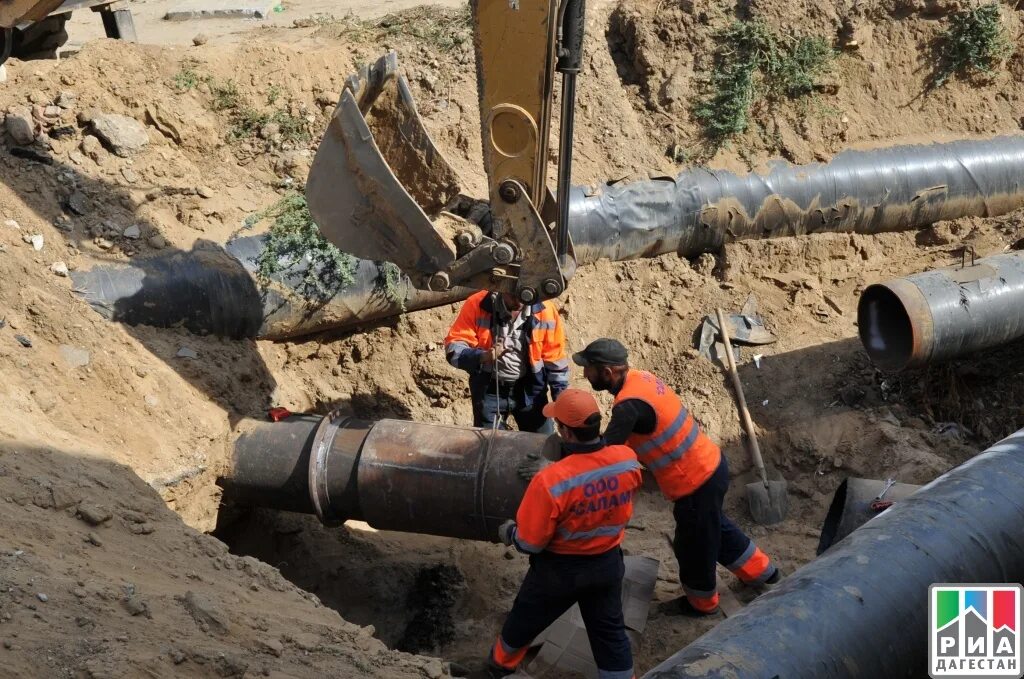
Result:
[976,41]
[389,282]
[751,63]
[293,238]
[186,79]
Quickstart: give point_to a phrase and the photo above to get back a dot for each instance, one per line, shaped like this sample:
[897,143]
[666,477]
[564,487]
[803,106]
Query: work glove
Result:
[507,532]
[529,467]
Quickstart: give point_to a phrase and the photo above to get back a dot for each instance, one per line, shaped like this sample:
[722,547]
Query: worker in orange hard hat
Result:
[571,521]
[689,468]
[514,354]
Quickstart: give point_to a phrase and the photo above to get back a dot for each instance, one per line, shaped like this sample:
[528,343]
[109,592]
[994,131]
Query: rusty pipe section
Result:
[860,609]
[942,314]
[888,189]
[393,474]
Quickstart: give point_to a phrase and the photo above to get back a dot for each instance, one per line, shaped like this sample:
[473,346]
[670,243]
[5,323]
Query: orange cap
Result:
[573,407]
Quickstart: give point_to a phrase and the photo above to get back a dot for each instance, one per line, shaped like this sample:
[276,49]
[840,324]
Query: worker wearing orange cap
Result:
[689,468]
[571,521]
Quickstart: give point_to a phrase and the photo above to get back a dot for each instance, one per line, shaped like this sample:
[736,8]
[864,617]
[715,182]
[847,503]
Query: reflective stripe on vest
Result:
[543,322]
[592,476]
[680,456]
[585,504]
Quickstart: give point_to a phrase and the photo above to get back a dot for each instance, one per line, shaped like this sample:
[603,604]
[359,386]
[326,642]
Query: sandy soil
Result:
[153,29]
[136,423]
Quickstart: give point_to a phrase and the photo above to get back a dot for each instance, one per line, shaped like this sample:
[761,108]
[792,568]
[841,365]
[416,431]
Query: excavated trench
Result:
[445,597]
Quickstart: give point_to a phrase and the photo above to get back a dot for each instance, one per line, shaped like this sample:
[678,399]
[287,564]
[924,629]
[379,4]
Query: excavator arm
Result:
[381,190]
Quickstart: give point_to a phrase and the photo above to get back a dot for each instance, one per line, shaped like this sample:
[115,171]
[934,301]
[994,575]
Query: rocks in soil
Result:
[24,341]
[92,147]
[133,232]
[157,242]
[77,203]
[121,134]
[205,612]
[705,264]
[93,515]
[75,356]
[200,39]
[136,606]
[20,125]
[272,646]
[60,269]
[67,99]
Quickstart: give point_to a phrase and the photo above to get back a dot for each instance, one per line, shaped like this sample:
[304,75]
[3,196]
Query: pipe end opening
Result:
[885,327]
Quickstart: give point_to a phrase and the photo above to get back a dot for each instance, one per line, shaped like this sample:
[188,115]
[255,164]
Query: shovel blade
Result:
[768,505]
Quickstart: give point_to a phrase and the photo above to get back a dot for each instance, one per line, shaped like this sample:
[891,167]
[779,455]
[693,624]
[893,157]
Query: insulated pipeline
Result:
[942,314]
[965,526]
[889,189]
[394,474]
[216,291]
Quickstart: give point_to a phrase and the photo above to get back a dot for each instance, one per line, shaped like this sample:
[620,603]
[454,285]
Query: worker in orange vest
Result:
[514,354]
[689,468]
[571,521]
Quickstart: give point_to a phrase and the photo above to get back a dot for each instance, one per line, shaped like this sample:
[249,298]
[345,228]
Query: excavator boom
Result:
[379,188]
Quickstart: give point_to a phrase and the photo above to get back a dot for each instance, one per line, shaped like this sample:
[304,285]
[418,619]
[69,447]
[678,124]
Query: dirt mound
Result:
[230,130]
[876,91]
[100,579]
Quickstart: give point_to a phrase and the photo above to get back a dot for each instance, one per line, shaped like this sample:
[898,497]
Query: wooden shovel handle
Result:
[748,424]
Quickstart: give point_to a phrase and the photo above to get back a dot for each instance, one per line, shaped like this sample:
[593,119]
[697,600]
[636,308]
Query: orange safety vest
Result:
[472,330]
[677,452]
[580,504]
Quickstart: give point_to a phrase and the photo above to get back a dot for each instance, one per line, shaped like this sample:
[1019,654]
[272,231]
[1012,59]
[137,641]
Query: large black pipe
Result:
[393,474]
[945,313]
[890,189]
[861,609]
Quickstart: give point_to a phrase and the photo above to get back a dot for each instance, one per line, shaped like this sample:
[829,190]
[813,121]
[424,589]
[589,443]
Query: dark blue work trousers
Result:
[554,583]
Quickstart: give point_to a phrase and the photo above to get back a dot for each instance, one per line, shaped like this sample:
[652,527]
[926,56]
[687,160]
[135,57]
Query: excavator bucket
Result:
[378,184]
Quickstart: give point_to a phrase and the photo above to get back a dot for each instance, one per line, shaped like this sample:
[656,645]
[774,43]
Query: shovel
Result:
[767,498]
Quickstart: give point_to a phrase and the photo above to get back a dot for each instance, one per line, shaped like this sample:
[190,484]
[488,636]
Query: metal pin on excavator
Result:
[381,190]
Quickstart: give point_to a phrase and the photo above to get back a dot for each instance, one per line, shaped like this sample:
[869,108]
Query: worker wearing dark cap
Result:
[571,521]
[689,468]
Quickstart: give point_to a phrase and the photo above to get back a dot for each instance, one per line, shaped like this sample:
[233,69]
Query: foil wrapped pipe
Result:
[942,314]
[965,526]
[215,290]
[888,189]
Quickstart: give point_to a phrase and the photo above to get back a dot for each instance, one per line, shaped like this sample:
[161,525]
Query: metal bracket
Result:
[541,278]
